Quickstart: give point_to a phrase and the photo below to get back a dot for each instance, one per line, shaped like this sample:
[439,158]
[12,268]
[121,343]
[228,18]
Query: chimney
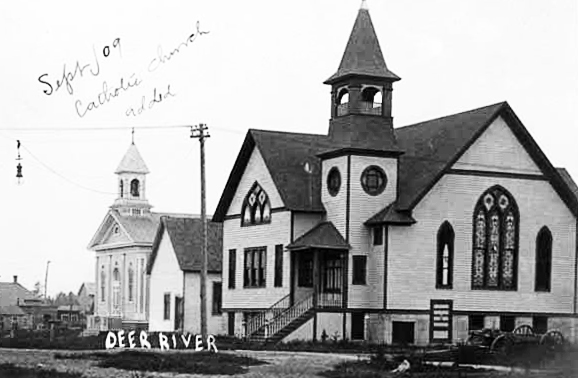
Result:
[15,279]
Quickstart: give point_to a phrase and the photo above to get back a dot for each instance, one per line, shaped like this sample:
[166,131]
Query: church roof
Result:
[430,149]
[140,229]
[185,236]
[363,54]
[132,162]
[391,215]
[324,235]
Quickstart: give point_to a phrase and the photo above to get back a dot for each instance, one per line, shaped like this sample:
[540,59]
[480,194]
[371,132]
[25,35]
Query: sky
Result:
[257,64]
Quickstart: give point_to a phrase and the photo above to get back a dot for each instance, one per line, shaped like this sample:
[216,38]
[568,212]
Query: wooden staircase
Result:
[280,322]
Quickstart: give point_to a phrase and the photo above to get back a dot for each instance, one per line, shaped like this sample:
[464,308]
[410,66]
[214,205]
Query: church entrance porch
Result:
[321,274]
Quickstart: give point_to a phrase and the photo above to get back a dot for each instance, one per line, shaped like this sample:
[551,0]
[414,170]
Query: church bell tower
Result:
[361,92]
[131,173]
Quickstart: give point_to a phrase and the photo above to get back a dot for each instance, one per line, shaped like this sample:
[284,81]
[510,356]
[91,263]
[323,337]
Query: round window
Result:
[373,180]
[333,181]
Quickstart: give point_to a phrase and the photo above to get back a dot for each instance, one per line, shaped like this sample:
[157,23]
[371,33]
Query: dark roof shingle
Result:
[324,235]
[185,236]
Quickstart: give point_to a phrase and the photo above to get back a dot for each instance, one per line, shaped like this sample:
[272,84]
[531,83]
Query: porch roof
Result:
[324,236]
[391,215]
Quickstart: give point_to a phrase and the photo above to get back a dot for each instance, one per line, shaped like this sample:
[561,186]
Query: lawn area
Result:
[12,371]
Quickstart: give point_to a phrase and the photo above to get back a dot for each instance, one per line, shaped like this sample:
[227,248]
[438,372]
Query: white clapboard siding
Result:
[336,207]
[497,149]
[192,323]
[166,278]
[412,251]
[264,235]
[362,207]
[255,171]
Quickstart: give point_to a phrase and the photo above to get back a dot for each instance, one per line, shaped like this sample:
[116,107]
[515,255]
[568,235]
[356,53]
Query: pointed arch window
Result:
[135,188]
[256,207]
[130,283]
[543,260]
[445,256]
[495,241]
[121,189]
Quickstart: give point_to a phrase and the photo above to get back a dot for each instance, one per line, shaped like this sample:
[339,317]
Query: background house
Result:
[174,276]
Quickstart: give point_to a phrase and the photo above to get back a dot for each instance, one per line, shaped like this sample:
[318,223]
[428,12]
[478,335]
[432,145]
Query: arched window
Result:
[121,188]
[342,102]
[116,291]
[102,284]
[130,283]
[495,241]
[445,256]
[134,188]
[543,259]
[256,207]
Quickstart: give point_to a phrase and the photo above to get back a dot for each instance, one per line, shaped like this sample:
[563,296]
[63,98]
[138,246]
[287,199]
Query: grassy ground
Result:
[184,362]
[13,371]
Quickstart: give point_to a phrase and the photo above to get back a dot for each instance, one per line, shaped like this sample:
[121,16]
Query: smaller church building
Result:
[122,245]
[415,234]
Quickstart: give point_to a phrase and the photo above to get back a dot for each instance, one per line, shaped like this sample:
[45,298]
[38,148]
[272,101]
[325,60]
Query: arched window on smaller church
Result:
[121,189]
[130,283]
[256,207]
[543,259]
[134,188]
[116,290]
[445,256]
[102,284]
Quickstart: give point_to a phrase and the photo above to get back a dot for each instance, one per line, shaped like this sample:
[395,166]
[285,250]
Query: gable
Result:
[255,171]
[115,234]
[165,262]
[497,149]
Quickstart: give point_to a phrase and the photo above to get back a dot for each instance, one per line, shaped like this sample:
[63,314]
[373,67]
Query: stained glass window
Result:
[256,207]
[495,240]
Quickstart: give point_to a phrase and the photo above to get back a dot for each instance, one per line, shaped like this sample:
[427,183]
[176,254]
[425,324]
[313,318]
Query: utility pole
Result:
[201,132]
[46,280]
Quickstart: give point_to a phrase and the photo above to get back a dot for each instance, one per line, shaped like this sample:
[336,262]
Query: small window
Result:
[540,324]
[373,180]
[167,306]
[217,298]
[507,323]
[130,283]
[232,267]
[333,181]
[359,270]
[279,265]
[476,322]
[403,333]
[305,278]
[377,235]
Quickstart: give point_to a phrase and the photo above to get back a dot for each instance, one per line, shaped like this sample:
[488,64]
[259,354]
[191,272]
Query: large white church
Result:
[415,234]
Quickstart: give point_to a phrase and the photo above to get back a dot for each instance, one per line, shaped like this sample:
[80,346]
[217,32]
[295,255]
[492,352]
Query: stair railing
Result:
[257,321]
[284,318]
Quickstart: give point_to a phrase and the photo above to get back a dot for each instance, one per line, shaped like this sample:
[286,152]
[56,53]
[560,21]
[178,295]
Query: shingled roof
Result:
[132,162]
[324,235]
[362,54]
[12,292]
[430,149]
[185,236]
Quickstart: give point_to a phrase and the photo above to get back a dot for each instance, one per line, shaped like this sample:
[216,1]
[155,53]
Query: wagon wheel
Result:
[502,345]
[552,339]
[524,329]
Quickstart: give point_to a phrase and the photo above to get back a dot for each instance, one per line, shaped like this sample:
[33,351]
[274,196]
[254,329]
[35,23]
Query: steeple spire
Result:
[363,54]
